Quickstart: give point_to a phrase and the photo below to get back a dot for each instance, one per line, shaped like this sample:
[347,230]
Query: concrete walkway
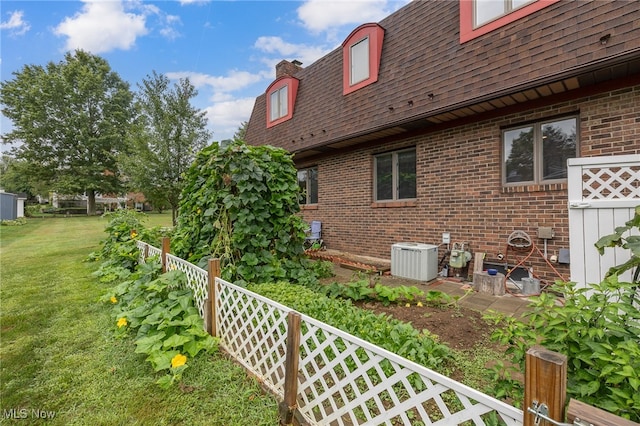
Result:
[507,304]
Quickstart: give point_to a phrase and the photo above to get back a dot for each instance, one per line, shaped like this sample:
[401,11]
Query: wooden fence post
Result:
[166,249]
[545,383]
[145,252]
[289,405]
[210,303]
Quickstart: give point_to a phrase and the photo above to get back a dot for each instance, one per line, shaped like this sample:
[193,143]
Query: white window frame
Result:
[279,108]
[508,6]
[359,58]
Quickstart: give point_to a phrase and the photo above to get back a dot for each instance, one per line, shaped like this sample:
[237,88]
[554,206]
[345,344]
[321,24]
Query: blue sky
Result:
[227,49]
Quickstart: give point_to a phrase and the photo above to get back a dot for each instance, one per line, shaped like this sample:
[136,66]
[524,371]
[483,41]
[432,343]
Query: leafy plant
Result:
[161,315]
[363,289]
[597,327]
[382,330]
[240,204]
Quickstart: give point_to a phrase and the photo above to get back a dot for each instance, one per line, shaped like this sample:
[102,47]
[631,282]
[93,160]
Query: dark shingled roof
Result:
[425,73]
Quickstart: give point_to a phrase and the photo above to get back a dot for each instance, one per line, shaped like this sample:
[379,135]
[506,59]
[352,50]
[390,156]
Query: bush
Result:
[597,328]
[124,228]
[240,204]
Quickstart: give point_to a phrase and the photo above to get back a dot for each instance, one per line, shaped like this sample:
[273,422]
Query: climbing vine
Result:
[240,204]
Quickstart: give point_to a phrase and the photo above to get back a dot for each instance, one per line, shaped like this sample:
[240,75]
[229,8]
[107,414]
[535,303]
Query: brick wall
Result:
[460,187]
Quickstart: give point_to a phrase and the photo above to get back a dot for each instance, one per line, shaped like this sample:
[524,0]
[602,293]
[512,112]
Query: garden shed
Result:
[8,206]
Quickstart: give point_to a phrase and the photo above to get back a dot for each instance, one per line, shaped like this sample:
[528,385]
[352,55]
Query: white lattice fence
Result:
[197,280]
[148,250]
[344,380]
[603,192]
[253,330]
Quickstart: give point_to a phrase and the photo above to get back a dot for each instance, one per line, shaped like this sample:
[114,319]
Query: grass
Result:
[59,354]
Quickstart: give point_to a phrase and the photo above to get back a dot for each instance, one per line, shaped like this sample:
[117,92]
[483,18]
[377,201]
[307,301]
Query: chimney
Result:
[285,67]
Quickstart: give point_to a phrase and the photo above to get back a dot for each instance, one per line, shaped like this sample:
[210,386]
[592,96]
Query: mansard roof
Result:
[427,77]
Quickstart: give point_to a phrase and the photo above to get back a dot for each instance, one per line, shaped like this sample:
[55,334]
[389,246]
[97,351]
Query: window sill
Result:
[393,204]
[533,187]
[309,207]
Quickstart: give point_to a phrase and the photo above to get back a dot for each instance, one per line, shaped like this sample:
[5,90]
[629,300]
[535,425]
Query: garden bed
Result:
[457,326]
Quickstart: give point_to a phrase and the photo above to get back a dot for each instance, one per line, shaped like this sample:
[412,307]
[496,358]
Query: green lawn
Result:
[58,352]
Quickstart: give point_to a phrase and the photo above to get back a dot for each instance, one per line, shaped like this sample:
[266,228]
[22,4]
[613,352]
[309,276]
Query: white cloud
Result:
[283,50]
[226,117]
[225,111]
[15,24]
[234,80]
[102,26]
[326,15]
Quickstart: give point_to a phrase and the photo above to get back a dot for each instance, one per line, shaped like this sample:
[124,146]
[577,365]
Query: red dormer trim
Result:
[375,33]
[292,92]
[467,30]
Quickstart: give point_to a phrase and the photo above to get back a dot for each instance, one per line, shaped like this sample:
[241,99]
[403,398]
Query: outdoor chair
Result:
[314,236]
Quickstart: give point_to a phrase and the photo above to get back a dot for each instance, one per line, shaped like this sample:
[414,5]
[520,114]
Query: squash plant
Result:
[160,313]
[240,204]
[597,327]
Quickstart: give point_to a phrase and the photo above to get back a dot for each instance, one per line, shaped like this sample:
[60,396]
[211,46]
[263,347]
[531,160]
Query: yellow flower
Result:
[199,211]
[408,305]
[122,322]
[134,234]
[113,299]
[419,304]
[178,360]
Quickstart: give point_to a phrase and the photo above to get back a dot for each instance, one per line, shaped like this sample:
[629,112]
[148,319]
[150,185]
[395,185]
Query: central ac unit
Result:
[415,261]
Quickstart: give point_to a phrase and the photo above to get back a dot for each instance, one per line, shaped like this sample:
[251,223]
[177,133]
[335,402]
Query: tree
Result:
[70,121]
[167,135]
[15,177]
[241,132]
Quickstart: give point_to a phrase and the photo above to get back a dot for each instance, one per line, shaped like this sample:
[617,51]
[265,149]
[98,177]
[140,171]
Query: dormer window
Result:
[361,53]
[359,59]
[281,98]
[278,102]
[479,17]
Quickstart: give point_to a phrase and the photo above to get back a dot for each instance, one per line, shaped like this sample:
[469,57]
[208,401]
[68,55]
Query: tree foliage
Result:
[240,204]
[70,120]
[14,177]
[166,137]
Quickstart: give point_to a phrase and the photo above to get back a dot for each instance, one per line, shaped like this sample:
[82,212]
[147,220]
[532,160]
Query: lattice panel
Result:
[154,251]
[141,246]
[611,183]
[253,330]
[346,381]
[197,280]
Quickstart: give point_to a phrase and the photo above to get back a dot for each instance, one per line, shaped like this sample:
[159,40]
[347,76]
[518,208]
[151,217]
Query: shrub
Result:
[240,204]
[597,328]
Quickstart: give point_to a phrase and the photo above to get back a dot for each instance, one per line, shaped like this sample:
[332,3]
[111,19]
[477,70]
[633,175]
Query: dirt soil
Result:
[457,326]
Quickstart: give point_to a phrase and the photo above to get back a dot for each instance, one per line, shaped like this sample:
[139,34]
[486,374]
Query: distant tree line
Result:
[78,128]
